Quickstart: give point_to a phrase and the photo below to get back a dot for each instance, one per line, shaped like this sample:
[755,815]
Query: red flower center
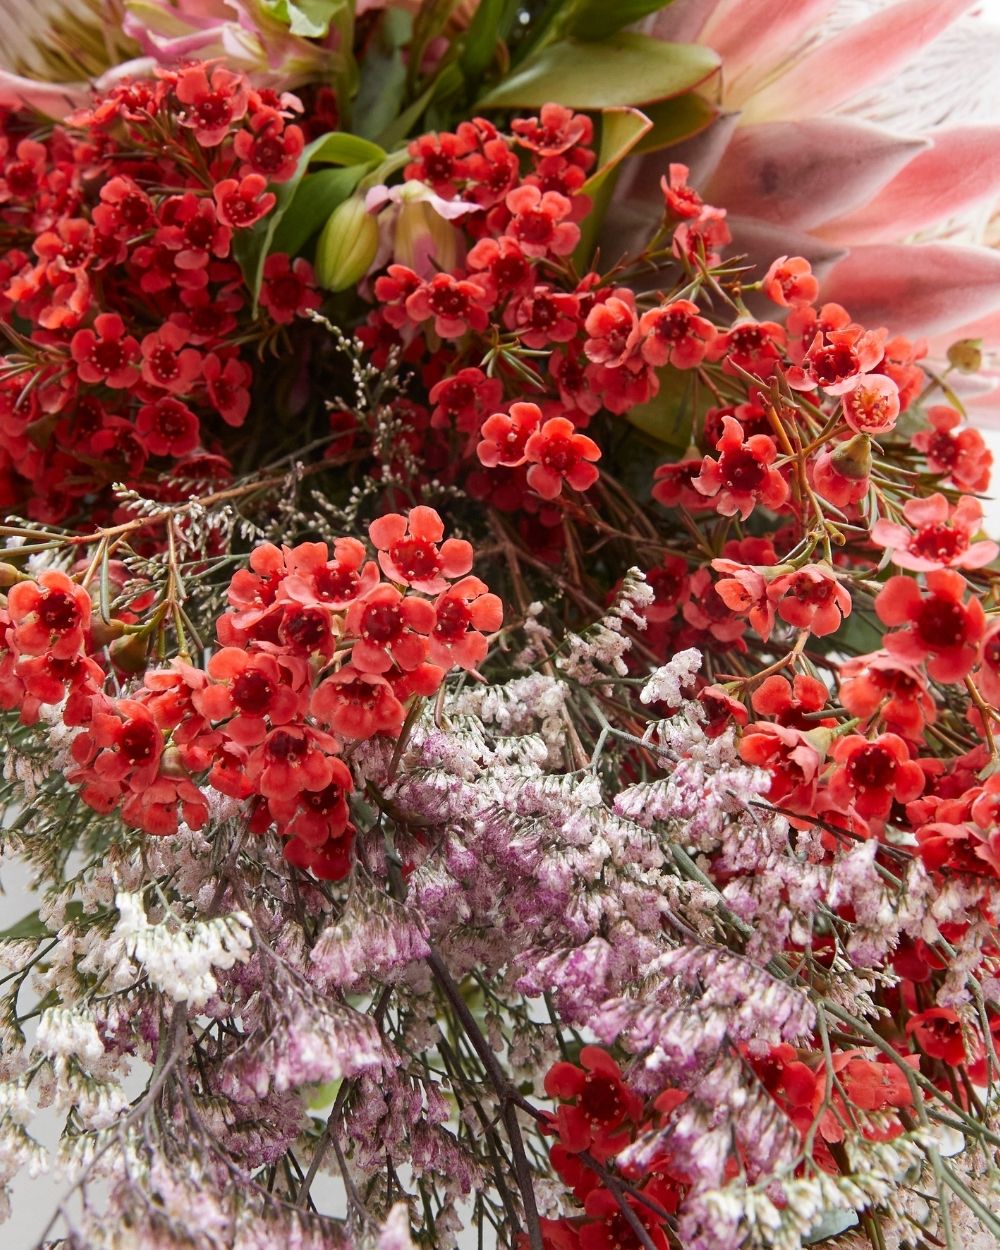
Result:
[268,153]
[673,327]
[991,653]
[253,692]
[138,741]
[938,542]
[285,291]
[21,179]
[214,110]
[416,557]
[108,355]
[741,471]
[602,1099]
[241,209]
[872,768]
[133,209]
[833,363]
[171,421]
[813,593]
[286,747]
[896,682]
[942,623]
[453,620]
[335,583]
[943,448]
[306,629]
[59,612]
[559,455]
[163,364]
[439,166]
[535,227]
[324,801]
[199,233]
[448,301]
[509,271]
[382,623]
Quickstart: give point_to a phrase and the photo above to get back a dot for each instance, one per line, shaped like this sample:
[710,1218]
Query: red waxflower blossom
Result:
[742,477]
[837,359]
[745,592]
[122,748]
[708,612]
[49,679]
[167,427]
[892,687]
[945,845]
[464,399]
[872,405]
[793,757]
[596,1103]
[612,328]
[675,334]
[988,674]
[673,485]
[554,131]
[292,758]
[790,281]
[940,537]
[699,240]
[543,315]
[50,616]
[938,1033]
[389,629]
[609,1229]
[456,304]
[357,705]
[106,354]
[315,815]
[841,473]
[756,346]
[316,579]
[248,691]
[670,584]
[408,550]
[242,202]
[191,227]
[505,435]
[167,363]
[269,147]
[252,592]
[559,454]
[870,775]
[213,104]
[939,626]
[227,383]
[125,210]
[465,613]
[986,808]
[811,598]
[440,161]
[955,453]
[500,266]
[542,222]
[288,290]
[158,807]
[721,710]
[792,703]
[68,246]
[681,200]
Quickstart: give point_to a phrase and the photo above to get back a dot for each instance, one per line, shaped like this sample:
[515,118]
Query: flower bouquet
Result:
[499,655]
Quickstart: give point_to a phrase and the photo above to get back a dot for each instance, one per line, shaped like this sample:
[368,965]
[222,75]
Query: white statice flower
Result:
[178,959]
[605,643]
[68,1031]
[668,683]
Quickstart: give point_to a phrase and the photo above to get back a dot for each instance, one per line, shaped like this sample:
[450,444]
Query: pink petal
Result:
[929,511]
[52,99]
[960,169]
[863,55]
[801,173]
[916,289]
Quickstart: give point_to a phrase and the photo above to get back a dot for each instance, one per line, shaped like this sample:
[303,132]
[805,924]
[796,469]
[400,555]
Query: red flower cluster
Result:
[121,228]
[318,651]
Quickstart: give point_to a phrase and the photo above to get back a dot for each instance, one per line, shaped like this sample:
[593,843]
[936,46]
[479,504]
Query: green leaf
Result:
[340,148]
[621,130]
[596,19]
[32,925]
[481,39]
[316,198]
[308,18]
[624,69]
[674,120]
[669,415]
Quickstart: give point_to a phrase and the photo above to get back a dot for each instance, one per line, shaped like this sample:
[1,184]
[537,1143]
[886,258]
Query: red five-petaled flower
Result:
[872,774]
[596,1102]
[939,626]
[106,356]
[465,613]
[742,477]
[408,550]
[557,454]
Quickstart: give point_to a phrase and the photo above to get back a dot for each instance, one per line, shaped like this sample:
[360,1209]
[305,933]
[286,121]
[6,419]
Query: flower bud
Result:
[853,459]
[104,632]
[171,763]
[130,652]
[422,233]
[966,355]
[347,246]
[10,576]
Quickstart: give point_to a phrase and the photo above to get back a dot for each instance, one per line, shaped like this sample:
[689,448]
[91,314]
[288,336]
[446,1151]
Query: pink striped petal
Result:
[49,98]
[863,55]
[801,173]
[916,289]
[681,21]
[961,169]
[753,36]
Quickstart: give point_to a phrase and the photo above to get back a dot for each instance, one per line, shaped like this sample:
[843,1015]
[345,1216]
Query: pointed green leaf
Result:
[340,148]
[672,121]
[596,19]
[621,130]
[624,69]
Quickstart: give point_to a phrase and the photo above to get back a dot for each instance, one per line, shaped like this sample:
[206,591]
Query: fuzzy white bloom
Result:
[65,1031]
[605,643]
[668,683]
[395,1232]
[179,960]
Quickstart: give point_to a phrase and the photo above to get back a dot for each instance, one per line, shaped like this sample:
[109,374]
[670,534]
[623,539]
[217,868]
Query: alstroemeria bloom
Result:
[811,598]
[408,550]
[873,774]
[50,616]
[939,626]
[675,334]
[940,537]
[389,629]
[742,477]
[557,454]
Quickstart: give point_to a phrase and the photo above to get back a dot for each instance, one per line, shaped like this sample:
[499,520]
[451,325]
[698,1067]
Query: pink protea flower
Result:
[938,536]
[742,476]
[939,627]
[408,550]
[811,598]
